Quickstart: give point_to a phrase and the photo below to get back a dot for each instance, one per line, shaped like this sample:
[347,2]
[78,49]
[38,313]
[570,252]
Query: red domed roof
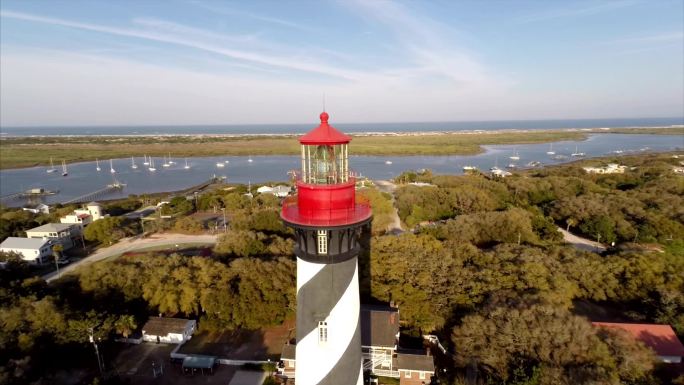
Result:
[324,134]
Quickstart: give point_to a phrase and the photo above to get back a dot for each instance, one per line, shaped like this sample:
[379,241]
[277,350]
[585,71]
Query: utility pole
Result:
[224,219]
[196,206]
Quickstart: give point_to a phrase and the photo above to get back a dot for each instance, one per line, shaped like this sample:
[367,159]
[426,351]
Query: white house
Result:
[40,208]
[57,232]
[611,168]
[279,191]
[168,330]
[34,250]
[83,217]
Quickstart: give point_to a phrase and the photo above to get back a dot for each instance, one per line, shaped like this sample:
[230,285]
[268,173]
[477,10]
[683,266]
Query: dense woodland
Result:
[484,268]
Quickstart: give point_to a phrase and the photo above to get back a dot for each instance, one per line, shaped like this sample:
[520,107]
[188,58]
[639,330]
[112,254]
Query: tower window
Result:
[322,242]
[322,332]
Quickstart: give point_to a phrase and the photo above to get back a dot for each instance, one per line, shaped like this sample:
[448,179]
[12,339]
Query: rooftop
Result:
[23,243]
[289,351]
[421,362]
[379,326]
[324,134]
[661,338]
[161,326]
[51,227]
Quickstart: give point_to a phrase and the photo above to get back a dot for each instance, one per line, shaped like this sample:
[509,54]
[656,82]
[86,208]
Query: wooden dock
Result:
[96,194]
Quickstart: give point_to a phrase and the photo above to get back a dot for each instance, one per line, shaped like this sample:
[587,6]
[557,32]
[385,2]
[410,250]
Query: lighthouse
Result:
[328,223]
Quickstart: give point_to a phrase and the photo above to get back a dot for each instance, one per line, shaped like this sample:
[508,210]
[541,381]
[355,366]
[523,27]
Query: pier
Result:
[32,193]
[96,194]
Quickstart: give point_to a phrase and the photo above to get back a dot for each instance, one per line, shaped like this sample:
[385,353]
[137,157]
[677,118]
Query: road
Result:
[140,213]
[581,243]
[389,187]
[131,244]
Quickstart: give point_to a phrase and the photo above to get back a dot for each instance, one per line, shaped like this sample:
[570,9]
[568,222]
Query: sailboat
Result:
[97,164]
[250,160]
[111,167]
[170,161]
[166,163]
[64,169]
[146,162]
[52,167]
[577,153]
[496,165]
[186,164]
[551,152]
[133,165]
[151,168]
[515,156]
[220,164]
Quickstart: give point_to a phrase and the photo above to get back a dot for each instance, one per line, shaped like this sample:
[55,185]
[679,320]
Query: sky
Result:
[266,62]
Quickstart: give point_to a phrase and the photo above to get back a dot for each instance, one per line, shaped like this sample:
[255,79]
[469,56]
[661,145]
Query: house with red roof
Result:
[660,338]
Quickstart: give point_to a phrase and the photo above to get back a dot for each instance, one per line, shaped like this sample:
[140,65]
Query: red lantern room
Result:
[325,186]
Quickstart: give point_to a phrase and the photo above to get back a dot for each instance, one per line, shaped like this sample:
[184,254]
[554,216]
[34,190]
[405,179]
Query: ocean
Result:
[346,127]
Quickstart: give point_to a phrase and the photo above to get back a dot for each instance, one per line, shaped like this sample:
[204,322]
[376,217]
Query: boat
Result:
[166,163]
[469,168]
[515,156]
[133,165]
[551,152]
[511,166]
[220,164]
[111,167]
[64,169]
[250,160]
[52,167]
[388,162]
[534,163]
[577,154]
[151,168]
[226,161]
[617,152]
[496,165]
[146,162]
[97,165]
[559,157]
[186,164]
[170,161]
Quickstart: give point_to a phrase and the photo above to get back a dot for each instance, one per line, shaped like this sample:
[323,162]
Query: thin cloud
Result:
[238,54]
[666,37]
[560,13]
[266,19]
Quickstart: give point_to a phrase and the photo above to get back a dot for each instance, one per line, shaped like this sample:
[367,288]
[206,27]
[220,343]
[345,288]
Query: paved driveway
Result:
[243,377]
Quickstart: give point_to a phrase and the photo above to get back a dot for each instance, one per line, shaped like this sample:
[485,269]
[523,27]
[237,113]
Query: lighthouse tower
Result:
[328,223]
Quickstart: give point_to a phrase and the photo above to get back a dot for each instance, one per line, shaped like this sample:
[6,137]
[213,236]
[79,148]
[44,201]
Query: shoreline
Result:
[25,152]
[655,129]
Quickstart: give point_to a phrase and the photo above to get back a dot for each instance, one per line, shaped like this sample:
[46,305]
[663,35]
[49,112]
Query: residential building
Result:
[286,367]
[34,250]
[83,217]
[279,191]
[168,330]
[40,208]
[611,168]
[57,232]
[379,339]
[660,338]
[415,369]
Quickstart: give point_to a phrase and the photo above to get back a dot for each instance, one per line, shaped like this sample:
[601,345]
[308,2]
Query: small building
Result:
[33,250]
[415,369]
[660,338]
[286,367]
[379,339]
[40,208]
[280,191]
[168,330]
[611,168]
[498,173]
[83,217]
[678,170]
[57,232]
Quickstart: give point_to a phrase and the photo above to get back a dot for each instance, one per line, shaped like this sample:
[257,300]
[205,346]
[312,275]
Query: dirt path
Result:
[581,243]
[130,244]
[389,187]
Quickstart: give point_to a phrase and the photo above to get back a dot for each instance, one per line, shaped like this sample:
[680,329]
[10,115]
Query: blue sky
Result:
[220,62]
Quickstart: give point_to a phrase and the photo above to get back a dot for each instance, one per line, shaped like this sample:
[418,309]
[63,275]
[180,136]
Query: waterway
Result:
[84,178]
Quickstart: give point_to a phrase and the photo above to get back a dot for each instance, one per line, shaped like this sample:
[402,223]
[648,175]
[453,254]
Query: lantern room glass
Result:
[325,164]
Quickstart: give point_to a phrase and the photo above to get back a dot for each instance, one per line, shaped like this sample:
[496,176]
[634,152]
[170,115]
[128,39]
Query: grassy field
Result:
[35,151]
